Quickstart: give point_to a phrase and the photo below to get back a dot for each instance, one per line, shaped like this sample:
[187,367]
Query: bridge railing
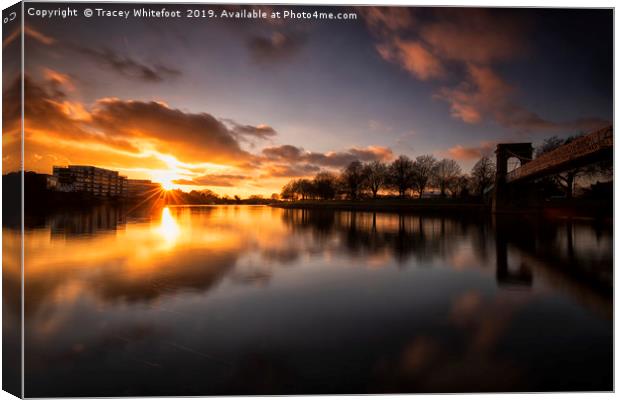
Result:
[578,148]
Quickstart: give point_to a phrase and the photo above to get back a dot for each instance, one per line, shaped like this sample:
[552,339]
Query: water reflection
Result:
[245,299]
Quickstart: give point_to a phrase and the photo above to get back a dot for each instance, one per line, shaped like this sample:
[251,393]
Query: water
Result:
[260,300]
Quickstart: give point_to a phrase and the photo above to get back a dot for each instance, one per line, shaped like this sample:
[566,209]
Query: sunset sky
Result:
[241,106]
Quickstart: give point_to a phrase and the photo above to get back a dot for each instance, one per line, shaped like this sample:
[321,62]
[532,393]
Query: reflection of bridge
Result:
[594,147]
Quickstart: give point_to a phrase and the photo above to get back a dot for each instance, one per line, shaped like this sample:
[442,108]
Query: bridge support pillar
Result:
[507,197]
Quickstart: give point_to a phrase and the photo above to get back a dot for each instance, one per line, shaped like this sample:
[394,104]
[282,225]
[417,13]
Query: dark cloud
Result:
[213,180]
[276,47]
[192,137]
[485,95]
[284,152]
[290,170]
[333,159]
[127,66]
[47,111]
[261,131]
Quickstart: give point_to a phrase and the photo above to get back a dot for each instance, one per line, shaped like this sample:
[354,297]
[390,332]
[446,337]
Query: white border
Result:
[483,3]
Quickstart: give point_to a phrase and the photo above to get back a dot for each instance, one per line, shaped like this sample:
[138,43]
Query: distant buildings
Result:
[141,188]
[89,179]
[98,182]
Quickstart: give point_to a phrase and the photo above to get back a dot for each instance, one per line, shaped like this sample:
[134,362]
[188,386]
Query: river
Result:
[258,300]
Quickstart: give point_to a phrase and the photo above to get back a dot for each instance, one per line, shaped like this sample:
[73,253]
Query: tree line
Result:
[403,177]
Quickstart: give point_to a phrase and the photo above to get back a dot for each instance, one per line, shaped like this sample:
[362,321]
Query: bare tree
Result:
[483,175]
[567,179]
[376,176]
[445,174]
[400,174]
[325,185]
[423,168]
[353,179]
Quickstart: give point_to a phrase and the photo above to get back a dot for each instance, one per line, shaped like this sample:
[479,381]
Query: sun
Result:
[167,185]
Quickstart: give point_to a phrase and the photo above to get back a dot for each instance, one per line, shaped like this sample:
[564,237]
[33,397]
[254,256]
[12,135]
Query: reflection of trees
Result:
[423,237]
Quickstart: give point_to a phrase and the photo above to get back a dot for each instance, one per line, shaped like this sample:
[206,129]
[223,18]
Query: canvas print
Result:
[205,199]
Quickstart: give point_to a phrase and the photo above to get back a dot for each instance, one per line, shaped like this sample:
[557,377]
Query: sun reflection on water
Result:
[168,228]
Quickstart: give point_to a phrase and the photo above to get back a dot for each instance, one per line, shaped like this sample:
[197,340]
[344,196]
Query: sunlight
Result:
[168,228]
[167,185]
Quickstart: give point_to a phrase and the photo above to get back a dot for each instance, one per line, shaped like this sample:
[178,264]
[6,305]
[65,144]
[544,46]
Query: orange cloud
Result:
[38,36]
[472,41]
[475,35]
[463,153]
[386,19]
[58,78]
[483,94]
[413,57]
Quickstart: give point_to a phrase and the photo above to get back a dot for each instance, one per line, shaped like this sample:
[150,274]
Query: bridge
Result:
[593,147]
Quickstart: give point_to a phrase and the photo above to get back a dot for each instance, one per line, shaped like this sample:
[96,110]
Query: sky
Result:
[242,106]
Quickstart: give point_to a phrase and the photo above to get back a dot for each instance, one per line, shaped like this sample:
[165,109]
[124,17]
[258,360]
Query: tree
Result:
[445,175]
[325,185]
[400,174]
[458,186]
[423,171]
[566,180]
[353,178]
[288,191]
[483,175]
[304,188]
[376,174]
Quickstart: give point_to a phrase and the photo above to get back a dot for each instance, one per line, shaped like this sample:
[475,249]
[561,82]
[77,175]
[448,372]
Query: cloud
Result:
[333,159]
[383,20]
[192,137]
[38,36]
[463,45]
[127,66]
[48,112]
[476,35]
[276,47]
[212,180]
[413,57]
[463,153]
[261,131]
[284,152]
[134,135]
[29,32]
[290,170]
[58,79]
[484,95]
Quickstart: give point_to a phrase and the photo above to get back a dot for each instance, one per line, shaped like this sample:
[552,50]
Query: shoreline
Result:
[555,210]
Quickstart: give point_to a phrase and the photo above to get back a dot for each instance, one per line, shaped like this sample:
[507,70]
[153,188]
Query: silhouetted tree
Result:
[325,185]
[567,179]
[376,174]
[352,178]
[400,174]
[288,191]
[445,175]
[304,188]
[423,167]
[483,175]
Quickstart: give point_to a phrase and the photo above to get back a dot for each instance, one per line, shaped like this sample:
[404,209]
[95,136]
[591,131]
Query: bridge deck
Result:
[578,152]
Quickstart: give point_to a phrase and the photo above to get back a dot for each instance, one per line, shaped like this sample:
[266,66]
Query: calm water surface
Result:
[244,299]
